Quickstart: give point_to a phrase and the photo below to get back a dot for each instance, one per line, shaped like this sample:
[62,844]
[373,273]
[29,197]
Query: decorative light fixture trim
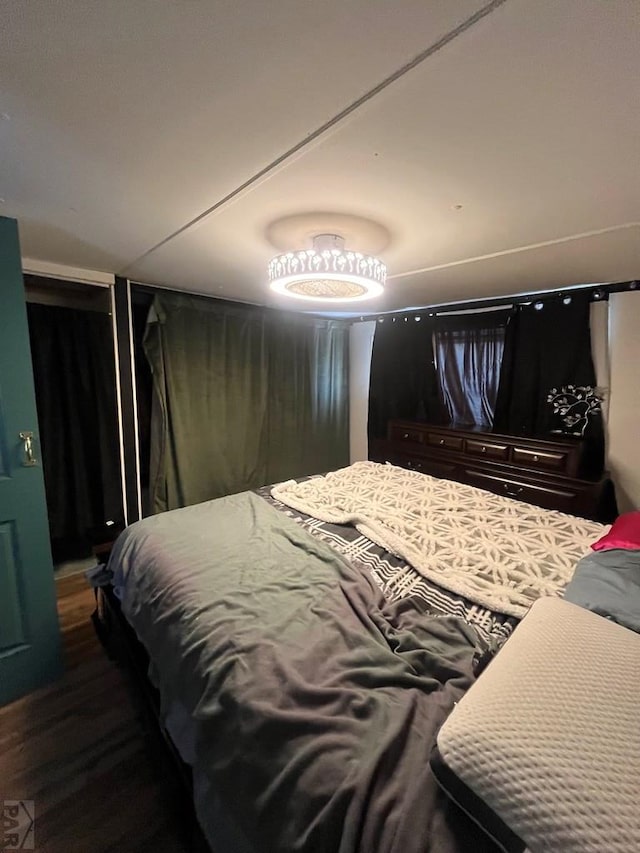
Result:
[327,273]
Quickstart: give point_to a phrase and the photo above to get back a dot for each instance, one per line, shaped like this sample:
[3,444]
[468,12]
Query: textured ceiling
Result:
[159,139]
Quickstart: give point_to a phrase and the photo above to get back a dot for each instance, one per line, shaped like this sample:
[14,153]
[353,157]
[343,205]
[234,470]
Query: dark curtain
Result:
[546,347]
[403,381]
[469,351]
[73,364]
[242,397]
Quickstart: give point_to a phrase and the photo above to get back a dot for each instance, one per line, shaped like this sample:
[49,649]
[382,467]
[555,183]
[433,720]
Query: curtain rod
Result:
[155,289]
[599,293]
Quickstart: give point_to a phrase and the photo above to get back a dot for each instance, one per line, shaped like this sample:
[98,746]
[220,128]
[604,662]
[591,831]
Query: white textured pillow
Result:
[549,736]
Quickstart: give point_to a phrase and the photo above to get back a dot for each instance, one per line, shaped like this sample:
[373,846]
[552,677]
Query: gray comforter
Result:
[316,702]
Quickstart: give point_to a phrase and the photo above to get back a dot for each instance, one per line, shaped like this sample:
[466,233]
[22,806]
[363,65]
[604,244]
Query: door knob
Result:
[28,460]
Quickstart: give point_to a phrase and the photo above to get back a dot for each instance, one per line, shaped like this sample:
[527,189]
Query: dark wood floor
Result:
[79,750]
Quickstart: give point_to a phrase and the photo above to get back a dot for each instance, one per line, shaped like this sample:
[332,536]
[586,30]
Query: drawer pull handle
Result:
[406,435]
[536,458]
[28,460]
[513,493]
[483,449]
[441,441]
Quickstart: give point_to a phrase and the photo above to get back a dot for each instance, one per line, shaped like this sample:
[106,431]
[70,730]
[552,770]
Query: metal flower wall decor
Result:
[575,405]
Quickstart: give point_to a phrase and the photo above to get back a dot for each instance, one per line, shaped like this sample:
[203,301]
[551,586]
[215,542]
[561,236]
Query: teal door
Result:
[29,635]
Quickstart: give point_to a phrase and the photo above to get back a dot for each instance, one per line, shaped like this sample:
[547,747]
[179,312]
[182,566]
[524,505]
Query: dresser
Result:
[549,473]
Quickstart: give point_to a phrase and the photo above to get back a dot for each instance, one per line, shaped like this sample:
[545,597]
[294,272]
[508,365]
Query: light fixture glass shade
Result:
[327,273]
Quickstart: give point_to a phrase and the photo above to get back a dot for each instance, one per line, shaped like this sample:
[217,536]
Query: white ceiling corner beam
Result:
[47,269]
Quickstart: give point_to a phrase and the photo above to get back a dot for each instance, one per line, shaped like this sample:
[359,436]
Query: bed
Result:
[308,641]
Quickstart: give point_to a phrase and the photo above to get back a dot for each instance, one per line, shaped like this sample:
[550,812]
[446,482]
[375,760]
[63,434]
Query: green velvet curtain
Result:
[242,397]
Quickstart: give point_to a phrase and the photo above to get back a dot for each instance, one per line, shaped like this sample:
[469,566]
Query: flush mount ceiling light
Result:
[327,257]
[328,272]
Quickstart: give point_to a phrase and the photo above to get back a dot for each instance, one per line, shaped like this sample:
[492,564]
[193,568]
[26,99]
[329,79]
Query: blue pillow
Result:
[608,582]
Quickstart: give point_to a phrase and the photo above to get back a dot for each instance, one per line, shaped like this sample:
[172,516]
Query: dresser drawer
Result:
[550,497]
[402,433]
[437,468]
[446,442]
[424,465]
[413,463]
[488,449]
[547,460]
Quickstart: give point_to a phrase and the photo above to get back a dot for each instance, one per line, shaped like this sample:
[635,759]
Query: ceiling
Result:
[159,139]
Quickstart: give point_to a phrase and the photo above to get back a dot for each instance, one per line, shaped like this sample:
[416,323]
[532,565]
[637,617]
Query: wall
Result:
[360,346]
[623,425]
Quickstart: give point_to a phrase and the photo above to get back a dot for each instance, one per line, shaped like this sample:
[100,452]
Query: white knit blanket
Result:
[495,551]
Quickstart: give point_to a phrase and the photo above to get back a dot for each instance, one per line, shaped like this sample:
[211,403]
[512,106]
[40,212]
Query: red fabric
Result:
[624,533]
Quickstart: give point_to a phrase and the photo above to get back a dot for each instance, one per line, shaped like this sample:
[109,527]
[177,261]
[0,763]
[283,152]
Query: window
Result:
[468,350]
